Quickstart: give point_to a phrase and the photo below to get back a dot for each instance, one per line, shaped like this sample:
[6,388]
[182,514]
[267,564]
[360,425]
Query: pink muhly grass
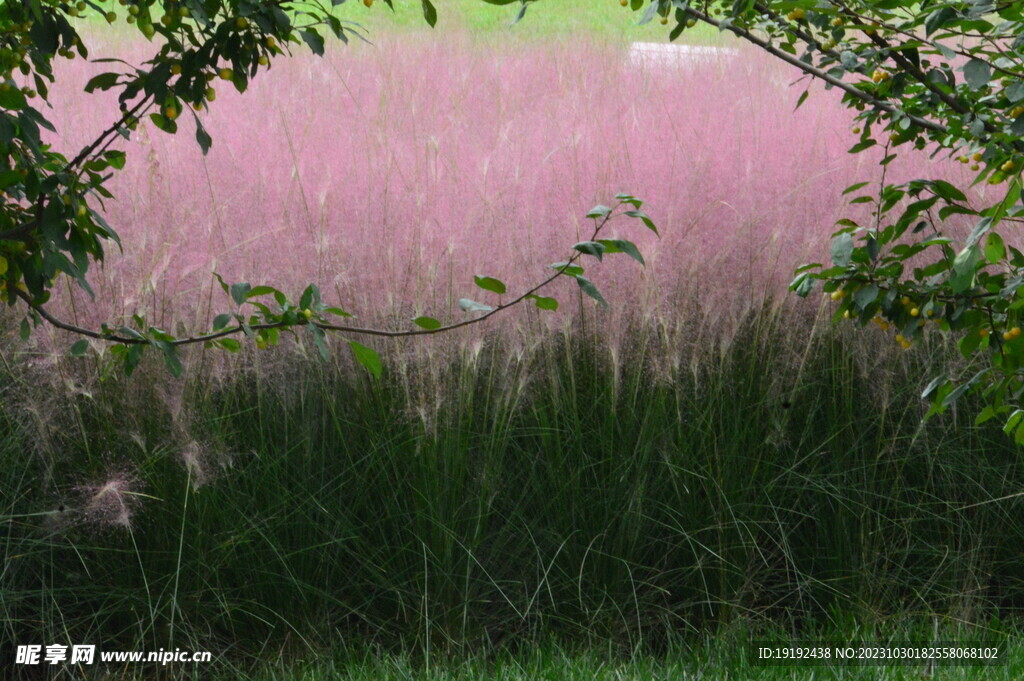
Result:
[391,174]
[109,503]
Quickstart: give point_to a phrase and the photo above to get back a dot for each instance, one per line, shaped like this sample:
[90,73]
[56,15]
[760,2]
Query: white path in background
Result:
[665,54]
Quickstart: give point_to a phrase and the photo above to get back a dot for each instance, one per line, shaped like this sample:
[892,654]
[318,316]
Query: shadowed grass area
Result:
[624,496]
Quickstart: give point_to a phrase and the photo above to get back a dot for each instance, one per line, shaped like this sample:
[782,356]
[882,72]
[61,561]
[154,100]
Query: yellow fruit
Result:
[847,315]
[166,20]
[690,23]
[176,69]
[1008,167]
[977,156]
[1015,332]
[884,326]
[983,332]
[198,106]
[837,295]
[905,300]
[271,43]
[148,30]
[211,94]
[368,3]
[263,60]
[3,265]
[133,10]
[111,17]
[1007,335]
[184,12]
[915,312]
[906,345]
[900,338]
[307,313]
[798,13]
[975,166]
[664,21]
[838,21]
[624,3]
[130,19]
[170,113]
[226,74]
[241,23]
[80,6]
[1017,112]
[855,130]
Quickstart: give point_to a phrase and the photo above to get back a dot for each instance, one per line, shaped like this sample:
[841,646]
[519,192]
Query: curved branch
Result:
[816,72]
[230,331]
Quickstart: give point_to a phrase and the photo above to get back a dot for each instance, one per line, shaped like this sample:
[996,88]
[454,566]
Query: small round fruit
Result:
[226,74]
[263,61]
[1007,335]
[664,21]
[624,3]
[271,42]
[175,69]
[133,10]
[690,23]
[847,315]
[976,156]
[1008,167]
[82,210]
[184,12]
[211,94]
[915,312]
[111,17]
[900,338]
[307,313]
[148,30]
[241,23]
[167,20]
[983,332]
[838,21]
[799,13]
[170,113]
[130,19]
[855,130]
[198,106]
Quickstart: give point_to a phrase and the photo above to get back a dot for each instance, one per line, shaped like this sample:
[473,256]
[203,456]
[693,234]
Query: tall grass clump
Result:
[514,494]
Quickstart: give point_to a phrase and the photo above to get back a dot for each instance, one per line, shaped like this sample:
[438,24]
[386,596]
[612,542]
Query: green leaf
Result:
[202,137]
[314,40]
[588,287]
[995,249]
[428,323]
[429,13]
[104,81]
[490,284]
[842,249]
[239,292]
[977,73]
[590,248]
[622,246]
[569,270]
[599,211]
[467,305]
[368,357]
[544,303]
[961,276]
[221,321]
[80,348]
[640,215]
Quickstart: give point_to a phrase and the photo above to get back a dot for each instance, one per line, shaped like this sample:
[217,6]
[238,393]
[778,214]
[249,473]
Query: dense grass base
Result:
[630,495]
